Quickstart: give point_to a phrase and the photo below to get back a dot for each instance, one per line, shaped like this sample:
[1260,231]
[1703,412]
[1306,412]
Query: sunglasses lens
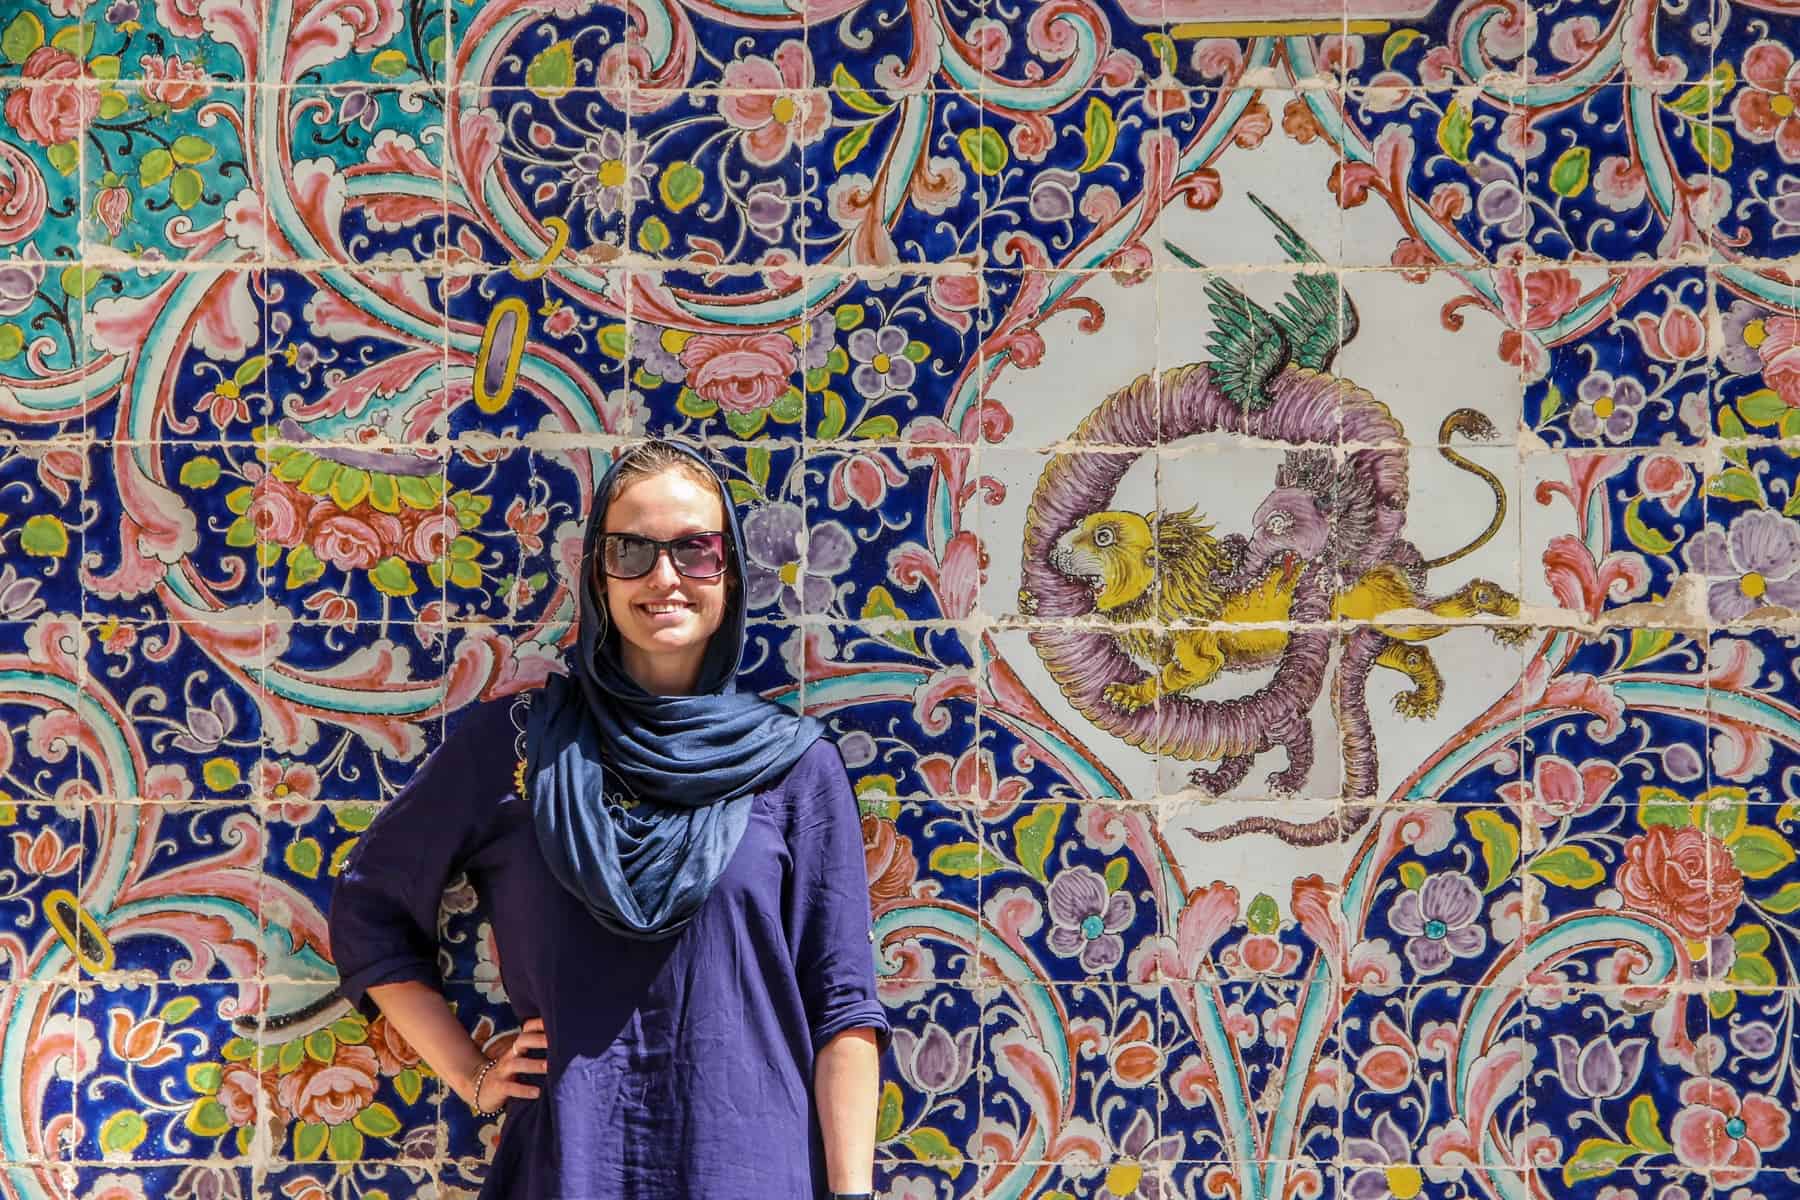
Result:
[701,556]
[628,557]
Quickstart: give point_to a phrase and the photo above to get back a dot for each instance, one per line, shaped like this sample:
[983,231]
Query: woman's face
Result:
[665,619]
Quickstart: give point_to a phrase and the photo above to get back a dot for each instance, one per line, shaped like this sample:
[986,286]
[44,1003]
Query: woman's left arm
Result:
[846,1086]
[828,921]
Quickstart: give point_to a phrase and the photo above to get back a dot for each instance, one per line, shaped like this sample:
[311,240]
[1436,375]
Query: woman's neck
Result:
[662,674]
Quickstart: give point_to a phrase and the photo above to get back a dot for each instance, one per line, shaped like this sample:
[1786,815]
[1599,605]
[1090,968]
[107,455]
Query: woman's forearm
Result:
[421,1015]
[846,1087]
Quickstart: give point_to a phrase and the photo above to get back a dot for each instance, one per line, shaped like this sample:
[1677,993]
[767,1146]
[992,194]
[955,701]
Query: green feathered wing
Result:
[1317,317]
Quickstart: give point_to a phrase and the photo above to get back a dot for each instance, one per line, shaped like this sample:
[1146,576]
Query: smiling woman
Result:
[677,881]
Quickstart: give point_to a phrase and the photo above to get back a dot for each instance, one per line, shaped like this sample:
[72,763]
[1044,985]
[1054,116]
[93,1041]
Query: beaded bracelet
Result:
[475,1092]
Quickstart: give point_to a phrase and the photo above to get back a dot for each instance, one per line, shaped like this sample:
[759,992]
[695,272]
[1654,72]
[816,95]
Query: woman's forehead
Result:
[667,504]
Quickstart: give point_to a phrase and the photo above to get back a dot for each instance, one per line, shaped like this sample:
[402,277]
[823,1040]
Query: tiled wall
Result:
[1286,508]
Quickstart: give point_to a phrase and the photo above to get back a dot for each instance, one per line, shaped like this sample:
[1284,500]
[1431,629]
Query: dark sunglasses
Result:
[694,555]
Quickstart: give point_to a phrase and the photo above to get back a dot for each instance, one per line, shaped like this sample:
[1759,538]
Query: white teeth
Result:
[656,609]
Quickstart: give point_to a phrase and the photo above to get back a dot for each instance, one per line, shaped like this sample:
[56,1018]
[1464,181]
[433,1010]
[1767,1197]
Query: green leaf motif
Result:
[681,185]
[1396,44]
[832,423]
[200,472]
[1596,1157]
[178,1010]
[1646,644]
[186,188]
[1264,915]
[24,34]
[1713,145]
[205,1078]
[207,1119]
[303,566]
[877,427]
[1644,1127]
[305,857]
[1735,483]
[44,536]
[378,1120]
[1099,134]
[1568,866]
[1784,901]
[1649,540]
[309,1141]
[1569,177]
[552,72]
[409,1084]
[1499,844]
[853,94]
[931,1145]
[62,156]
[887,1112]
[1412,876]
[1660,806]
[1456,130]
[122,1133]
[1553,402]
[984,149]
[653,236]
[1704,96]
[1116,871]
[345,1144]
[1760,853]
[965,860]
[851,144]
[1763,407]
[847,317]
[392,576]
[1033,836]
[189,149]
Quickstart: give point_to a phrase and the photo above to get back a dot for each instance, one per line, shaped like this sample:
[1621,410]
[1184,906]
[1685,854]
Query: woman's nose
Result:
[662,571]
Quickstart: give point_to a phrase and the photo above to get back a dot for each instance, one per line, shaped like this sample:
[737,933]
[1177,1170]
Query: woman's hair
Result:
[653,458]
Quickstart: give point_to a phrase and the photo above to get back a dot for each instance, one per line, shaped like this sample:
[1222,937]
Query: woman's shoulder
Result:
[481,744]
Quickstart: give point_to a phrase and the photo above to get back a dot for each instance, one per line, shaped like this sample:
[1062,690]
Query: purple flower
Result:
[650,353]
[935,1062]
[18,597]
[772,540]
[1784,206]
[1598,1070]
[1142,1173]
[1053,195]
[1744,331]
[207,727]
[1086,921]
[201,1182]
[858,749]
[121,11]
[1752,565]
[607,172]
[358,108]
[881,365]
[767,208]
[19,279]
[821,340]
[1440,919]
[1682,762]
[1606,407]
[1499,202]
[1387,1171]
[1755,1038]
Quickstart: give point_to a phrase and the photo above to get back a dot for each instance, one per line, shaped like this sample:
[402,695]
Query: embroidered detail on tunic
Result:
[519,777]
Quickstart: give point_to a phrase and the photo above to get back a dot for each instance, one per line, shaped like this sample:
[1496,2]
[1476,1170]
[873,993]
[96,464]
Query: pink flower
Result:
[290,789]
[277,510]
[181,17]
[740,372]
[864,478]
[1778,343]
[1558,788]
[239,1086]
[333,608]
[137,1041]
[44,854]
[560,323]
[972,776]
[954,296]
[330,1093]
[1667,480]
[1678,336]
[1683,876]
[173,81]
[527,524]
[115,1186]
[1537,298]
[346,542]
[1720,1133]
[57,108]
[168,783]
[1766,110]
[774,102]
[111,206]
[23,195]
[1619,183]
[428,540]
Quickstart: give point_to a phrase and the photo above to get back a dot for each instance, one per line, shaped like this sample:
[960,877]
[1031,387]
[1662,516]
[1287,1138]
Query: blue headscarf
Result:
[694,762]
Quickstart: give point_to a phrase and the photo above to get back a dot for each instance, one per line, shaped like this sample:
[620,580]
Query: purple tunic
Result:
[679,1069]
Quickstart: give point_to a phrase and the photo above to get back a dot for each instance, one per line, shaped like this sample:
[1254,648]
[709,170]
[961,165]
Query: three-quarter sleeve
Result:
[384,905]
[829,919]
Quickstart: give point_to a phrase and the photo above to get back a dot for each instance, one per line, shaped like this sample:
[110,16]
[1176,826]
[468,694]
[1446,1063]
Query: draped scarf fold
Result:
[694,763]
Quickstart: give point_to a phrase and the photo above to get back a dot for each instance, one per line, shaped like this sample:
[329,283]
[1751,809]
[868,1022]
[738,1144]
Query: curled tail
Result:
[1470,423]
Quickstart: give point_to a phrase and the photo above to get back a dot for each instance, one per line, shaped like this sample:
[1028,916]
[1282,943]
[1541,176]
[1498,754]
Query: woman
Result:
[675,873]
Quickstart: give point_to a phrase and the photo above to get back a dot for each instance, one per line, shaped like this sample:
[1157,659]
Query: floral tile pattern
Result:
[1288,509]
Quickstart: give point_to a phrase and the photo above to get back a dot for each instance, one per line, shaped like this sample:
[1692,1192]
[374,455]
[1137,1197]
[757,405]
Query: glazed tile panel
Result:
[1287,506]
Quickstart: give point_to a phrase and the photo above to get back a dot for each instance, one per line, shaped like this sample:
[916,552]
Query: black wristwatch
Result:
[853,1196]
